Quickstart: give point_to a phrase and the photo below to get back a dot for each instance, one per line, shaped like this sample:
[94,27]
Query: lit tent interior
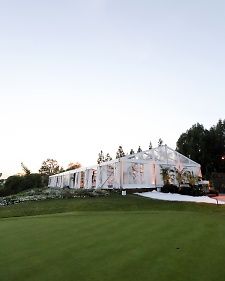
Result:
[139,170]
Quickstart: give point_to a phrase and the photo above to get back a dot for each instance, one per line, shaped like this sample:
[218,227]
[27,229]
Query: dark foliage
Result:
[184,190]
[206,147]
[170,188]
[15,184]
[139,149]
[120,153]
[101,157]
[218,181]
[192,191]
[213,192]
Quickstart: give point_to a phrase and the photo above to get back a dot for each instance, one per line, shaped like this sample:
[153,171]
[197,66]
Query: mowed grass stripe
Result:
[113,246]
[111,203]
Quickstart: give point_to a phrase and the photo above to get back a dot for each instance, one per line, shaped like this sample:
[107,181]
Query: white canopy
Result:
[139,170]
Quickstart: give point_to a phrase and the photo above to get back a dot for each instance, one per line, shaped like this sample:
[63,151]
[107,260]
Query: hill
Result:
[111,238]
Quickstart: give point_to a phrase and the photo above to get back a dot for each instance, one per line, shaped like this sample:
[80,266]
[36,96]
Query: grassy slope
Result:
[136,239]
[112,203]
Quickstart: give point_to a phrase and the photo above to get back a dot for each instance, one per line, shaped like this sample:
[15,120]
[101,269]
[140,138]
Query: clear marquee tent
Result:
[140,170]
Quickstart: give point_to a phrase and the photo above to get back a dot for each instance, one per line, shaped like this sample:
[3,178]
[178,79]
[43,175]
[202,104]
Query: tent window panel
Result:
[93,178]
[82,180]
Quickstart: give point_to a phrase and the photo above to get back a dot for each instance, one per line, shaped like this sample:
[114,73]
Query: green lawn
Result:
[115,238]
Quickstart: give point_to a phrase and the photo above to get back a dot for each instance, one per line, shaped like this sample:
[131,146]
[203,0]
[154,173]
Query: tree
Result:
[192,143]
[160,142]
[216,138]
[25,169]
[195,144]
[150,145]
[107,158]
[61,170]
[33,180]
[49,167]
[206,147]
[73,166]
[132,151]
[139,149]
[1,182]
[120,153]
[101,157]
[15,184]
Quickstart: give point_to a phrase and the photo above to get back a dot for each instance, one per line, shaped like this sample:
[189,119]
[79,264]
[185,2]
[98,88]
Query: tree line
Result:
[205,146]
[120,152]
[26,179]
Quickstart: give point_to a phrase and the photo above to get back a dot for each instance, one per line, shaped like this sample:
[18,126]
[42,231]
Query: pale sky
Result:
[80,76]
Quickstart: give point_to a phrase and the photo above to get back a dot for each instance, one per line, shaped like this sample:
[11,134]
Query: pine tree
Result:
[120,153]
[25,169]
[107,158]
[139,149]
[132,151]
[100,157]
[150,145]
[160,142]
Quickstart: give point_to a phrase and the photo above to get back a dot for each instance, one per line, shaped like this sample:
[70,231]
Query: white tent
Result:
[140,170]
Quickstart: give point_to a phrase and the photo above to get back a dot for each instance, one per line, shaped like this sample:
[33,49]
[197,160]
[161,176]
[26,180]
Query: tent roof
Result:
[163,154]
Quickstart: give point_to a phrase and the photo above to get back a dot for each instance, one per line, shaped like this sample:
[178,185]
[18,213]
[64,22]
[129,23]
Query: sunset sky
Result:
[80,76]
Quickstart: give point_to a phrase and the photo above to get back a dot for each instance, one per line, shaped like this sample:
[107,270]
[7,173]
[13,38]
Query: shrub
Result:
[192,191]
[44,179]
[32,181]
[169,188]
[185,190]
[101,192]
[198,191]
[213,191]
[66,193]
[83,193]
[15,184]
